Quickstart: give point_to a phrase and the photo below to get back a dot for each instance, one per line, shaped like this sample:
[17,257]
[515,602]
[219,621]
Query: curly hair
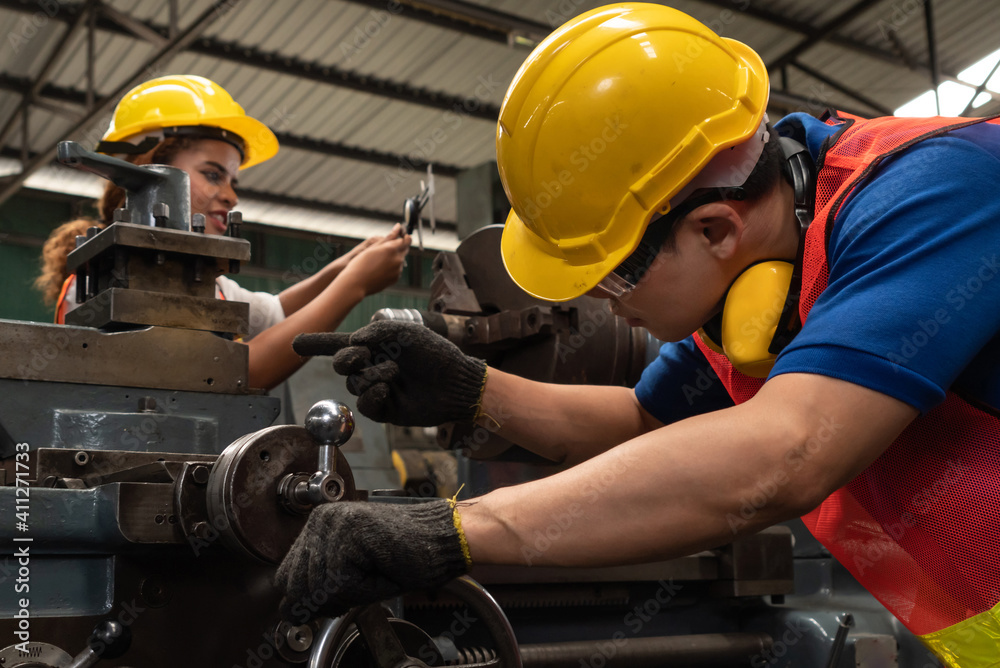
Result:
[63,239]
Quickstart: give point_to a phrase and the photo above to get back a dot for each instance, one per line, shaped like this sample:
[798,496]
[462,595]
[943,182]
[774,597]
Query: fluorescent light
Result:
[954,98]
[976,73]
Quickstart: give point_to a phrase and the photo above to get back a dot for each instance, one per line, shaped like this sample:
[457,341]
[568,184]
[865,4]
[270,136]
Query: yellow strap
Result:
[456,518]
[480,412]
[972,643]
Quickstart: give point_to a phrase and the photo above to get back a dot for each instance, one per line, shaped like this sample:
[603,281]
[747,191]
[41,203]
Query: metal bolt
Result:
[198,223]
[299,638]
[200,474]
[161,214]
[81,458]
[233,221]
[201,530]
[154,591]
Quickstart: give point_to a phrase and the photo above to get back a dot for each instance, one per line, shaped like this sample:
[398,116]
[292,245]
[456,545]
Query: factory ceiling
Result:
[365,94]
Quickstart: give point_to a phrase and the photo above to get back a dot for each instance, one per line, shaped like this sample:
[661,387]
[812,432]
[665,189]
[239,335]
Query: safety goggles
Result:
[623,278]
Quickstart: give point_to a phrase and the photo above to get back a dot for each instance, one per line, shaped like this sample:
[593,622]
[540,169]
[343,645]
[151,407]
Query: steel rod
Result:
[932,52]
[710,649]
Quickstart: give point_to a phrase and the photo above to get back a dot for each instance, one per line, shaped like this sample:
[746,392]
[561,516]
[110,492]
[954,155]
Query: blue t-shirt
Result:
[911,306]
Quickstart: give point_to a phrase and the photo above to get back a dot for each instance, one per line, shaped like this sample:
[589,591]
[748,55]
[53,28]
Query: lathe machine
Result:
[147,495]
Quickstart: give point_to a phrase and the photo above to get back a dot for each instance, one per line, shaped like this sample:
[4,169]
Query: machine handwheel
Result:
[242,497]
[367,637]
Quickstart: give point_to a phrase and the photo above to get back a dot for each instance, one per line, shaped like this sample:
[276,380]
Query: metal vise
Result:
[153,265]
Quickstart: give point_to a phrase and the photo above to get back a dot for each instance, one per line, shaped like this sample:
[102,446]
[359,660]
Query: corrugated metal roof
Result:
[394,49]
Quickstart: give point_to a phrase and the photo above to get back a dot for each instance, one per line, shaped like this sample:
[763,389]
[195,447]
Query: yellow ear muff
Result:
[750,316]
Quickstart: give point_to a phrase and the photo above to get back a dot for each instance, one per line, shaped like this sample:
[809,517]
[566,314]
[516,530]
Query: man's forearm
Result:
[692,485]
[564,423]
[656,497]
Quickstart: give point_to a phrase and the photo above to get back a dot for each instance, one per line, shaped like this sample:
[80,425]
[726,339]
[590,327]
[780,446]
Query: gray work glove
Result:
[403,373]
[355,553]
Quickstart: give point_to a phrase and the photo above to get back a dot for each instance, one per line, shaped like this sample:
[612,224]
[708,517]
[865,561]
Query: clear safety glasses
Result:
[623,278]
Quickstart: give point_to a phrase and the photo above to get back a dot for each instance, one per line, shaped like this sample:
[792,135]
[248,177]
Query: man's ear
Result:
[720,227]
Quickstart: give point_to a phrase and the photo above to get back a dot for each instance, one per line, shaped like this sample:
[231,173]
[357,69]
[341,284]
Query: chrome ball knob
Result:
[330,422]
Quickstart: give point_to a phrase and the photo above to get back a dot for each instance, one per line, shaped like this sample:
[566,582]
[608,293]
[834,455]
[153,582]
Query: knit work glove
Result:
[357,553]
[403,373]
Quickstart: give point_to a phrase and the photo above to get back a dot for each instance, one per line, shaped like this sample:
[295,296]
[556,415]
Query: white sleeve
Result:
[265,308]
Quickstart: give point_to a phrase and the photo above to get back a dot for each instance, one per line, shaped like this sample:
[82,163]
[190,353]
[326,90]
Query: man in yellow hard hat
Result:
[836,279]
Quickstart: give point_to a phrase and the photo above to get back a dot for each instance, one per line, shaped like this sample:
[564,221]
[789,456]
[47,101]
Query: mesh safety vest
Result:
[920,527]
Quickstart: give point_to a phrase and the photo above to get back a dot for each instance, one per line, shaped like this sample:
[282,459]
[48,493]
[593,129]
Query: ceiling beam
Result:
[273,198]
[822,32]
[788,102]
[169,50]
[843,88]
[470,19]
[332,207]
[49,95]
[774,18]
[29,97]
[273,62]
[932,53]
[364,155]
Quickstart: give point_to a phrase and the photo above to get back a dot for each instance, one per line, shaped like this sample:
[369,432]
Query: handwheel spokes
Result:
[383,643]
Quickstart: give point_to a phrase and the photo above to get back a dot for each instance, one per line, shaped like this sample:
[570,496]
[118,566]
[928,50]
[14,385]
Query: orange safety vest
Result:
[920,527]
[61,302]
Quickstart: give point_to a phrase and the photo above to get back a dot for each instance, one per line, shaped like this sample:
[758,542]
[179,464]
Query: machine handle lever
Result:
[123,174]
[332,424]
[846,622]
[109,640]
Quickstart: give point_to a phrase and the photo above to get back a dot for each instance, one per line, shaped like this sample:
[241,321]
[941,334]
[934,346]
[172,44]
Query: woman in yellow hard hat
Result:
[192,123]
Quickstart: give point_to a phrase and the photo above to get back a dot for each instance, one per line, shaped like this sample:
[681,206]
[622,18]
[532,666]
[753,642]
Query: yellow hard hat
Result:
[608,119]
[183,102]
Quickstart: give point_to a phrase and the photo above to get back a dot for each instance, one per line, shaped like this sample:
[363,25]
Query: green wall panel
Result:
[18,300]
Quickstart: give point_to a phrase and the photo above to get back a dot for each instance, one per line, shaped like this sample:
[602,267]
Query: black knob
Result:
[110,639]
